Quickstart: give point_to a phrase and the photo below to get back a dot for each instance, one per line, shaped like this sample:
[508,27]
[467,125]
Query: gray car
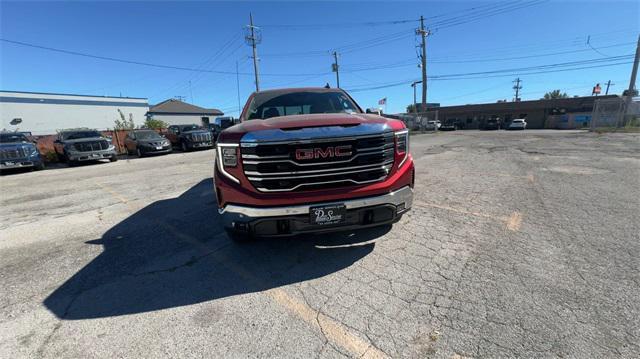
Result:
[81,145]
[146,142]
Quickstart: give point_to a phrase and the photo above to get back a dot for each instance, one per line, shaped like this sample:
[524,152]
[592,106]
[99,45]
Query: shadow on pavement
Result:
[174,252]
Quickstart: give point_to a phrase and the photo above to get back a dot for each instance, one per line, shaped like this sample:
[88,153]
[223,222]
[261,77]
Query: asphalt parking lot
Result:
[519,244]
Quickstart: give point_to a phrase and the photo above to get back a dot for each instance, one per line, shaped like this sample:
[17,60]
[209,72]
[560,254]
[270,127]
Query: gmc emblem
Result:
[329,152]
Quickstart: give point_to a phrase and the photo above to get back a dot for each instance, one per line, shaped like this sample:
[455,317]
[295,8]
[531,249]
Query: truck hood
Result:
[307,127]
[195,132]
[86,139]
[13,146]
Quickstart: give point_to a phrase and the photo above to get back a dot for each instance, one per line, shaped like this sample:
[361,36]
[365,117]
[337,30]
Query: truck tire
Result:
[184,147]
[139,153]
[113,159]
[39,166]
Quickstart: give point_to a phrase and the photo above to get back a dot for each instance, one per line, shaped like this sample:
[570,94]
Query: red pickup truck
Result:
[309,160]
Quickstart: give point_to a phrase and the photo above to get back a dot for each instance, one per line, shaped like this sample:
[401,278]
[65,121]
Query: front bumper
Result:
[18,163]
[291,220]
[91,156]
[196,145]
[152,150]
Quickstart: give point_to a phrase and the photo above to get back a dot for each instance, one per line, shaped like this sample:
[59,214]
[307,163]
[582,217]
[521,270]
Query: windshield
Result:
[13,137]
[80,134]
[267,105]
[190,128]
[147,135]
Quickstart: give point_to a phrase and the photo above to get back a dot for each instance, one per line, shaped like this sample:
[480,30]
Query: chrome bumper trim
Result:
[402,196]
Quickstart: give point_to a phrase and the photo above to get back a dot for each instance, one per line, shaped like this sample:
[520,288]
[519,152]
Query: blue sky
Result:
[297,40]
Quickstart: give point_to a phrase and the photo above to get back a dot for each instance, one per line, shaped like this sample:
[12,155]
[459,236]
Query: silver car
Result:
[81,145]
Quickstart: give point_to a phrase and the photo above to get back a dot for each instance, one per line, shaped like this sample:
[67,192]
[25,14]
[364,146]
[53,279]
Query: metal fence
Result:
[616,113]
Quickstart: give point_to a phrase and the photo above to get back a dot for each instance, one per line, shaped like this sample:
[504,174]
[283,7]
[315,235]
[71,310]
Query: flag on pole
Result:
[383,101]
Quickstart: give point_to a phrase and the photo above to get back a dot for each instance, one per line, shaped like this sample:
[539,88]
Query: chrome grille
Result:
[13,154]
[201,137]
[91,146]
[273,167]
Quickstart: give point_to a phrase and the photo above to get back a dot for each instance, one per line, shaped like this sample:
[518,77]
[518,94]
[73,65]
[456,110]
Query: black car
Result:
[492,124]
[146,142]
[189,137]
[220,124]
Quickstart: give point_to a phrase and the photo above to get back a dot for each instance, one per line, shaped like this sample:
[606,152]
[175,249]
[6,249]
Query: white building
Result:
[45,113]
[176,112]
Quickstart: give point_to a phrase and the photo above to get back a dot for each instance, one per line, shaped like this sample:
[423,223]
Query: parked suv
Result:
[309,160]
[219,124]
[81,145]
[146,142]
[189,137]
[17,151]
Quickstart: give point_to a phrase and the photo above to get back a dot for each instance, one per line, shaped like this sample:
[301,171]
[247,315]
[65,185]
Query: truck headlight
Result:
[227,154]
[402,145]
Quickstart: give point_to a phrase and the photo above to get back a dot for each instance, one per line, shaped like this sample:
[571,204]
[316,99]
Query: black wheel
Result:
[39,166]
[62,157]
[113,159]
[184,146]
[139,153]
[239,237]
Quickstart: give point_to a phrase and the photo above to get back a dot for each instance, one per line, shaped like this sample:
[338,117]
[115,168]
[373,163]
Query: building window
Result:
[205,121]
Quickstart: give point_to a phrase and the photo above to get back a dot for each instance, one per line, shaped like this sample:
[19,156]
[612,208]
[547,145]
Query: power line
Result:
[140,63]
[461,76]
[467,18]
[345,24]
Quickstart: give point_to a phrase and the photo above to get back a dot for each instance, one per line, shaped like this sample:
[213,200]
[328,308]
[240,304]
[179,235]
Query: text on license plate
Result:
[330,214]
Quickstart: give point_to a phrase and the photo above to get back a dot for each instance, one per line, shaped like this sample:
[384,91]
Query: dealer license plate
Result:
[158,147]
[331,214]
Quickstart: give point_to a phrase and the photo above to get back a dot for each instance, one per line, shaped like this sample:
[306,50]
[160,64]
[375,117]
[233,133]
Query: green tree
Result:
[555,94]
[123,123]
[152,123]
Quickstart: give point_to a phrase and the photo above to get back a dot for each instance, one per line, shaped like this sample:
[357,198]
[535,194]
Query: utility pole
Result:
[634,71]
[423,57]
[631,91]
[238,87]
[191,91]
[606,92]
[253,38]
[517,87]
[413,84]
[336,69]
